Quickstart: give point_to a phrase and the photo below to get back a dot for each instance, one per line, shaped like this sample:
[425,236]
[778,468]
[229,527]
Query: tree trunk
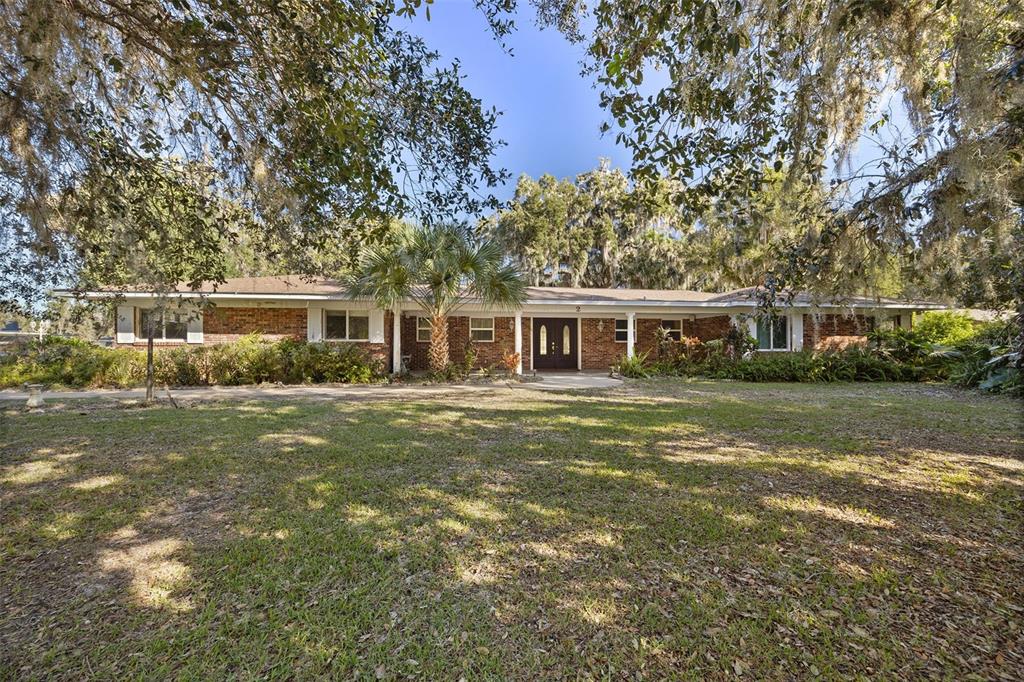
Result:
[149,361]
[438,344]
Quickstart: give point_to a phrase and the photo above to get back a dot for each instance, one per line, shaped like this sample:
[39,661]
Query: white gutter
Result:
[734,304]
[529,303]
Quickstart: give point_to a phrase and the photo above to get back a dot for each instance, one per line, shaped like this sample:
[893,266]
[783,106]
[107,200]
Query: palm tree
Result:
[440,268]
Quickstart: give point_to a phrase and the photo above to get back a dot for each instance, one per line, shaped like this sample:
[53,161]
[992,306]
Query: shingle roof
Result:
[566,294]
[277,284]
[749,294]
[299,285]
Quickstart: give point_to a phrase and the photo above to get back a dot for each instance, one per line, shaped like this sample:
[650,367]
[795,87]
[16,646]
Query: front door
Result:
[554,343]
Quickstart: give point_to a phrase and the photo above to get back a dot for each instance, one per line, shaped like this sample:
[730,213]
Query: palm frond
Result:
[440,267]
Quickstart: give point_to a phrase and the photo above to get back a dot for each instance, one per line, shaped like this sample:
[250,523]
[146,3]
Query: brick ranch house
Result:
[558,328]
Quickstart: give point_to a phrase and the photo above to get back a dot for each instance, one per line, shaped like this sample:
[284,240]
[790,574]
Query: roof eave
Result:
[572,303]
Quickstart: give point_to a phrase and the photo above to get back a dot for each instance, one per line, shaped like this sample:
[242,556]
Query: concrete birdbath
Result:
[35,395]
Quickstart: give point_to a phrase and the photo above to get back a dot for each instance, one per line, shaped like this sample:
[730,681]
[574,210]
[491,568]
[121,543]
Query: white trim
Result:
[615,329]
[752,327]
[419,329]
[771,335]
[396,341]
[533,351]
[342,299]
[630,334]
[376,331]
[481,329]
[194,334]
[519,340]
[314,324]
[579,343]
[348,325]
[796,331]
[124,324]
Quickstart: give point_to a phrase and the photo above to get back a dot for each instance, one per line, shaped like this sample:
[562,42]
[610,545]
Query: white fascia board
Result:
[621,310]
[298,298]
[531,307]
[637,305]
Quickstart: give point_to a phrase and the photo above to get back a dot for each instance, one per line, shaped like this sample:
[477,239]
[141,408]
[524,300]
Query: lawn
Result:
[666,529]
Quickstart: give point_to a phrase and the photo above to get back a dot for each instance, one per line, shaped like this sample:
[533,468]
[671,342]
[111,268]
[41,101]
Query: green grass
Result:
[670,529]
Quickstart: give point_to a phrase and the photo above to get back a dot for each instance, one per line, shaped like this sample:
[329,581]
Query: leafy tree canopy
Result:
[603,231]
[310,114]
[441,267]
[793,86]
[599,231]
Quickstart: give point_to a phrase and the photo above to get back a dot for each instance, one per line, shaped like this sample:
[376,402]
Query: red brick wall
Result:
[381,351]
[646,337]
[600,349]
[707,328]
[819,328]
[527,342]
[488,353]
[225,324]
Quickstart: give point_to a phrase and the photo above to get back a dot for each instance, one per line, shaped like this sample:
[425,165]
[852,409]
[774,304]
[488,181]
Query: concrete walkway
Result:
[545,382]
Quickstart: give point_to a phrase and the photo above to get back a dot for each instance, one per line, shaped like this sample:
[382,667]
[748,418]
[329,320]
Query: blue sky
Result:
[551,116]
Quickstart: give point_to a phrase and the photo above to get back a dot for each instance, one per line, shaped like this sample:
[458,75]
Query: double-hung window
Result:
[346,325]
[772,333]
[673,329]
[481,328]
[621,330]
[423,329]
[167,325]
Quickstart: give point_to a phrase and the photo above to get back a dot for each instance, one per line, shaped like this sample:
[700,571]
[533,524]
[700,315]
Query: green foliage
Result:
[751,87]
[850,365]
[997,332]
[944,328]
[738,341]
[900,345]
[635,367]
[252,360]
[65,362]
[989,361]
[441,268]
[990,368]
[596,231]
[986,361]
[468,359]
[601,230]
[316,116]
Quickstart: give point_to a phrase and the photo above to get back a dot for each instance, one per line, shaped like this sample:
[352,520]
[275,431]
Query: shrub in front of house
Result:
[944,328]
[54,360]
[984,360]
[849,365]
[77,364]
[314,363]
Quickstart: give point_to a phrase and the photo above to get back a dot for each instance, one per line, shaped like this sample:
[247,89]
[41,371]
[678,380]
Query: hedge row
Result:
[983,359]
[252,360]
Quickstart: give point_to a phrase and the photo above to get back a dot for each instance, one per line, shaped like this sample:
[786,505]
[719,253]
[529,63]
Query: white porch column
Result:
[519,340]
[630,333]
[396,341]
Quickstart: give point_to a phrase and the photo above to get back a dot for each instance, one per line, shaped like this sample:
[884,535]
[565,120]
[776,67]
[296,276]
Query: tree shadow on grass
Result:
[549,537]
